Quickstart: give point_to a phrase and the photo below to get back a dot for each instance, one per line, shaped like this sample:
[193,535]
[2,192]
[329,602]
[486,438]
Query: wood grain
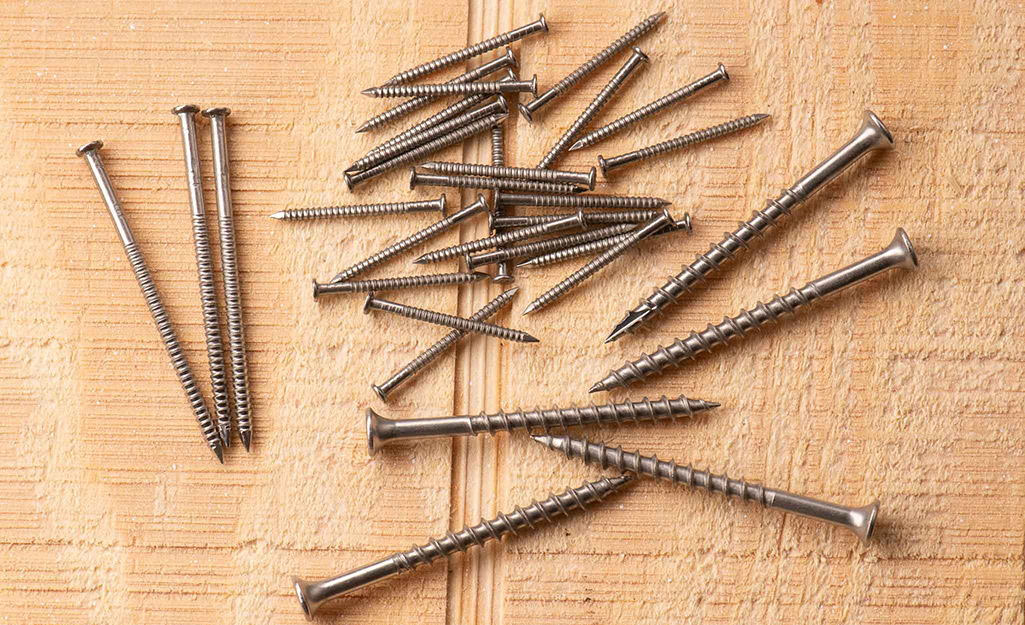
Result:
[907,389]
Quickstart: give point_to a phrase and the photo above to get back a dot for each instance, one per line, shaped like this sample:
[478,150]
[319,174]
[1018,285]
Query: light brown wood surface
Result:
[907,389]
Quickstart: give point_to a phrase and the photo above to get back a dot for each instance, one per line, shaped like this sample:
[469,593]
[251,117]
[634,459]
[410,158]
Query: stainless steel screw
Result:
[497,146]
[600,100]
[898,254]
[589,200]
[502,270]
[593,217]
[606,257]
[497,240]
[594,63]
[521,173]
[860,521]
[313,594]
[444,89]
[872,135]
[450,321]
[615,162]
[229,272]
[382,431]
[362,210]
[498,107]
[479,206]
[650,109]
[427,356]
[205,268]
[593,247]
[468,53]
[391,284]
[480,182]
[547,245]
[91,153]
[352,179]
[505,61]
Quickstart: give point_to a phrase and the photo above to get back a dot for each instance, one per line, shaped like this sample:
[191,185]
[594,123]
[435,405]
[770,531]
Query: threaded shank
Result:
[236,332]
[602,57]
[505,184]
[212,327]
[448,89]
[594,217]
[582,201]
[699,136]
[360,210]
[444,114]
[523,173]
[486,243]
[586,249]
[547,245]
[402,282]
[451,321]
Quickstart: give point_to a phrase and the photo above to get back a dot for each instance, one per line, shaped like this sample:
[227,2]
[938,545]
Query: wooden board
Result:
[908,389]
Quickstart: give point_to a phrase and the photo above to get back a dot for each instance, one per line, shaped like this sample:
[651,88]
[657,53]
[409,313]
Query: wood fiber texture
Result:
[908,389]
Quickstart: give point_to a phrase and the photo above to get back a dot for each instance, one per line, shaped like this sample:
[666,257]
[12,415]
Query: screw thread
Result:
[650,109]
[419,152]
[496,240]
[524,173]
[236,333]
[443,115]
[586,249]
[498,145]
[594,217]
[412,240]
[520,518]
[582,201]
[477,49]
[360,210]
[174,348]
[447,89]
[693,138]
[503,271]
[450,339]
[599,59]
[401,282]
[505,184]
[592,109]
[212,327]
[451,321]
[547,245]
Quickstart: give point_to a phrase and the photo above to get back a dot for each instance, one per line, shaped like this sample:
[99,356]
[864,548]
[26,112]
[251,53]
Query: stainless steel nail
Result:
[450,321]
[584,179]
[502,270]
[479,182]
[592,217]
[586,200]
[597,246]
[446,89]
[544,246]
[498,240]
[362,210]
[392,284]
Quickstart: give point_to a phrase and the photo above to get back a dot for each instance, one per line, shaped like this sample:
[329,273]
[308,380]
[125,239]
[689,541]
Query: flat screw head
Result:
[544,22]
[601,163]
[638,52]
[373,440]
[190,109]
[593,176]
[722,72]
[503,105]
[316,289]
[217,111]
[380,393]
[525,112]
[412,178]
[367,302]
[348,181]
[92,146]
[444,205]
[533,84]
[511,58]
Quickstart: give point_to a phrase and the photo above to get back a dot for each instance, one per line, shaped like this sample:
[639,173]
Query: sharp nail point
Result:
[278,215]
[713,404]
[597,387]
[219,453]
[575,146]
[368,91]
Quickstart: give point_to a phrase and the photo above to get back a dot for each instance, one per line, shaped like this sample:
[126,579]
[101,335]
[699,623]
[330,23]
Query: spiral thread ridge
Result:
[236,333]
[528,517]
[595,217]
[411,241]
[476,49]
[174,348]
[450,339]
[447,89]
[477,245]
[547,245]
[443,115]
[599,59]
[586,249]
[498,145]
[592,109]
[360,210]
[419,152]
[451,321]
[503,271]
[582,201]
[500,171]
[402,282]
[698,136]
[504,184]
[212,328]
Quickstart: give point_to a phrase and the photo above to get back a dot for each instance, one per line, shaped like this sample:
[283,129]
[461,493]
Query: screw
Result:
[520,173]
[505,61]
[468,53]
[382,431]
[479,182]
[650,109]
[599,245]
[497,240]
[469,88]
[450,321]
[313,594]
[91,153]
[362,210]
[528,110]
[204,266]
[414,239]
[600,100]
[858,520]
[872,135]
[352,179]
[593,217]
[229,271]
[898,254]
[498,107]
[606,257]
[391,284]
[432,352]
[502,270]
[547,245]
[616,162]
[582,201]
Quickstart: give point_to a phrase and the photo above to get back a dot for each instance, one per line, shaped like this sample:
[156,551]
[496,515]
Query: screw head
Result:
[316,289]
[533,85]
[592,177]
[468,261]
[412,178]
[191,109]
[380,393]
[638,52]
[367,302]
[604,166]
[525,112]
[348,180]
[544,22]
[670,222]
[300,592]
[444,205]
[374,441]
[217,111]
[511,58]
[722,72]
[503,105]
[92,146]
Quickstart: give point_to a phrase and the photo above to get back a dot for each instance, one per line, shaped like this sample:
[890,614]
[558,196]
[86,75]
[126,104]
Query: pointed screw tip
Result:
[219,452]
[529,309]
[712,404]
[576,146]
[598,386]
[278,215]
[370,91]
[247,438]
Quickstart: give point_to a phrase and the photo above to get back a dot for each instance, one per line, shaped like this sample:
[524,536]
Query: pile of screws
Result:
[219,437]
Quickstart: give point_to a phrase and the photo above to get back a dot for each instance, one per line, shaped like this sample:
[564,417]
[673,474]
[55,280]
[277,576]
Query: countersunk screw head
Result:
[366,303]
[533,84]
[601,163]
[444,205]
[503,105]
[384,397]
[373,422]
[544,22]
[722,72]
[525,112]
[316,288]
[191,109]
[412,178]
[217,111]
[511,58]
[89,147]
[644,57]
[348,181]
[593,177]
